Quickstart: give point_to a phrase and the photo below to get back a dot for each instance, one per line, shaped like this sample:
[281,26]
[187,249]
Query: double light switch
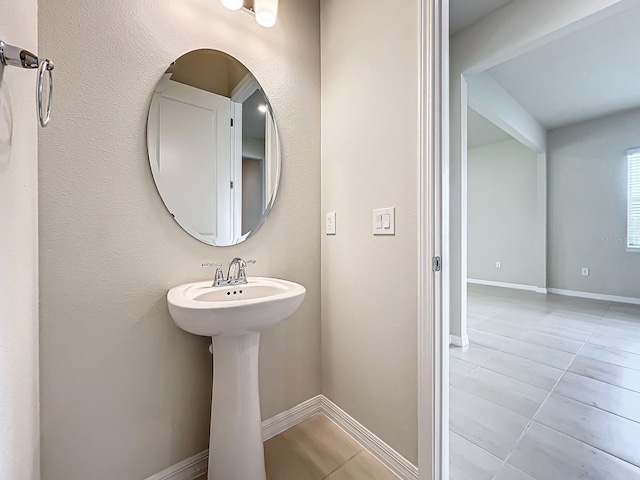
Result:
[384,221]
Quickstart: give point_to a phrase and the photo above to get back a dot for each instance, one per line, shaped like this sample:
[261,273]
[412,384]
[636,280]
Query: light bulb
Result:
[232,4]
[266,12]
[262,108]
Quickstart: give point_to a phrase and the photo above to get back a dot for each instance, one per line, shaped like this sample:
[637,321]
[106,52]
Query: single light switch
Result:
[384,221]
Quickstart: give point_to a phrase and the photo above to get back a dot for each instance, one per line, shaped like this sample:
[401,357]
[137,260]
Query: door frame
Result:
[433,231]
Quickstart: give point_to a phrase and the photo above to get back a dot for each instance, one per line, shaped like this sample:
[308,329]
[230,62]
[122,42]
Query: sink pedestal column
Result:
[236,451]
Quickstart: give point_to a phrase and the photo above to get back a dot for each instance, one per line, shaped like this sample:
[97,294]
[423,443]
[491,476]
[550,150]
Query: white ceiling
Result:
[481,131]
[464,13]
[587,74]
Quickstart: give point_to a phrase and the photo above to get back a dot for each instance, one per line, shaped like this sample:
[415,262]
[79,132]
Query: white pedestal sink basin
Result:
[234,316]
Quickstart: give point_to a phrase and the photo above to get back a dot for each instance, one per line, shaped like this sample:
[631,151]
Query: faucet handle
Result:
[242,274]
[211,265]
[218,278]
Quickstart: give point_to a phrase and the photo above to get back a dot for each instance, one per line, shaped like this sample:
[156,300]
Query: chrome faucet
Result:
[236,276]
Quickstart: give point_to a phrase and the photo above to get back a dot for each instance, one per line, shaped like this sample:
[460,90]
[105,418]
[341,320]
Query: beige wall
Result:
[125,393]
[19,409]
[369,160]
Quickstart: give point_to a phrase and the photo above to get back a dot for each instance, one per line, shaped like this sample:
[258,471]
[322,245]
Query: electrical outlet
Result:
[498,264]
[330,227]
[585,272]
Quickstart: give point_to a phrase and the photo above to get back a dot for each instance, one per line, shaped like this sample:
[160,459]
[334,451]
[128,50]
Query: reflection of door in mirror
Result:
[193,159]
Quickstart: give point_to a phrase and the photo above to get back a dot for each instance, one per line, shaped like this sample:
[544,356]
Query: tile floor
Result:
[318,449]
[549,389]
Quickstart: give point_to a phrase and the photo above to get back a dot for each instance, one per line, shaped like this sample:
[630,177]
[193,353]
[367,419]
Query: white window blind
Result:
[633,214]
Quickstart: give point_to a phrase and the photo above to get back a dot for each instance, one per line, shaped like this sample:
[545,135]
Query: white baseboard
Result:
[193,467]
[188,469]
[383,452]
[595,296]
[459,341]
[285,420]
[515,286]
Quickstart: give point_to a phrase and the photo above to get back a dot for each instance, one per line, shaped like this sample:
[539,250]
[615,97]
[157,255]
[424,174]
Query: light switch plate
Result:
[585,272]
[384,221]
[330,227]
[498,264]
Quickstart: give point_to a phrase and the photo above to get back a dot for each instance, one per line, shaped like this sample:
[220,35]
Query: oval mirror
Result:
[213,147]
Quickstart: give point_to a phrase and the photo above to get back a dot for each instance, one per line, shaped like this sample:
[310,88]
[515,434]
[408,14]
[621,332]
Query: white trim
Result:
[188,469]
[285,420]
[514,286]
[433,222]
[193,467]
[247,86]
[595,296]
[459,341]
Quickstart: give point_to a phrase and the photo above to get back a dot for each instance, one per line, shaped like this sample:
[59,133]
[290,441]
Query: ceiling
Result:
[464,13]
[481,131]
[590,73]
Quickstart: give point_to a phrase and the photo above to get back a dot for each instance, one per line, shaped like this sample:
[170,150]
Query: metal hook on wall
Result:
[11,56]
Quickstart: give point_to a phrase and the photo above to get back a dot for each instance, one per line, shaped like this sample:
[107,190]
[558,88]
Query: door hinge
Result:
[232,184]
[232,122]
[437,264]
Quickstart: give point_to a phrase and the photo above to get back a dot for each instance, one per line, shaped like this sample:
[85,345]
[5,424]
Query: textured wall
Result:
[125,393]
[588,206]
[503,214]
[369,160]
[19,410]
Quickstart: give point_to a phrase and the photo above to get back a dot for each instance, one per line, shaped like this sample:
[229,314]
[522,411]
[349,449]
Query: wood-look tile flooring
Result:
[318,449]
[549,389]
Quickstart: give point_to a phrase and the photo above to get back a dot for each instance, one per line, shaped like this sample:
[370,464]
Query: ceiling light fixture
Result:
[265,11]
[233,4]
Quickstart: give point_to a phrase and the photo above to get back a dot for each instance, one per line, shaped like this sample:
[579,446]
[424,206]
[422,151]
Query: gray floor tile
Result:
[566,322]
[507,472]
[469,462]
[603,430]
[489,340]
[501,327]
[606,372]
[458,369]
[564,332]
[540,354]
[604,396]
[552,341]
[472,354]
[609,355]
[487,425]
[617,343]
[515,395]
[608,329]
[530,372]
[545,454]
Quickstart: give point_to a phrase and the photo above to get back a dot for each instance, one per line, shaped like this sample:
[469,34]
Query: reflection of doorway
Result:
[252,192]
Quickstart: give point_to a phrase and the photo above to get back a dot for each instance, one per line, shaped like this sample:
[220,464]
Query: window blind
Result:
[633,214]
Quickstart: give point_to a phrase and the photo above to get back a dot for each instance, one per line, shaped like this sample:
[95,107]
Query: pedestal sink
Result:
[234,316]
